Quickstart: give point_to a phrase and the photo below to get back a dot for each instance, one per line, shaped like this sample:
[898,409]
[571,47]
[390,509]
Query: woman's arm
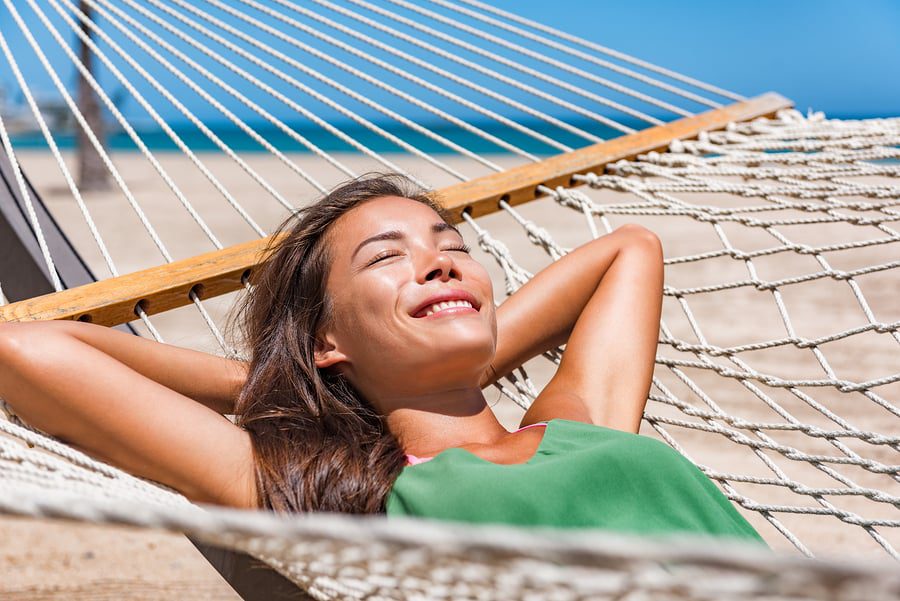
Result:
[603,300]
[208,379]
[80,394]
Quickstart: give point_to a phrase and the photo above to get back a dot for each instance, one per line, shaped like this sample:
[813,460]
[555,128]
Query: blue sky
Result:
[838,56]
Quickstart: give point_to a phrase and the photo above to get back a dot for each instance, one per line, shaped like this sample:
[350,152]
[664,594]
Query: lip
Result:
[445,295]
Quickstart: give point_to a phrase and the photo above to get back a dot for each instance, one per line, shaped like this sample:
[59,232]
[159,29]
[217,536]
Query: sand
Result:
[45,559]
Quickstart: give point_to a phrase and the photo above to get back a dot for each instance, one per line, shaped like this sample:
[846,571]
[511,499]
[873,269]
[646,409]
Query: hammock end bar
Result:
[115,301]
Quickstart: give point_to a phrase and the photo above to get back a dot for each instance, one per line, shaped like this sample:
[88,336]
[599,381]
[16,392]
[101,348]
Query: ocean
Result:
[157,140]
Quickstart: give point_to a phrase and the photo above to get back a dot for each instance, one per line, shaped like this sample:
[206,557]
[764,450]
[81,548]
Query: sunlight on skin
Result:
[391,256]
[424,371]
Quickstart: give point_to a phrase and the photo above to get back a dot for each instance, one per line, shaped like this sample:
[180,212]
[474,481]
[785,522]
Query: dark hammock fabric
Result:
[582,476]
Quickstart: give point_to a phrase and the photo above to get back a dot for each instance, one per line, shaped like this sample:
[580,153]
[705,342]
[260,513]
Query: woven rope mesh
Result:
[779,338]
[778,369]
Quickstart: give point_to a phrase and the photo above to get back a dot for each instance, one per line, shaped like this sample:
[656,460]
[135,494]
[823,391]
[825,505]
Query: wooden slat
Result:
[517,185]
[113,301]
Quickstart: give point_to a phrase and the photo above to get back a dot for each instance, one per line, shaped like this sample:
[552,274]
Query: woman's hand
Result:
[603,300]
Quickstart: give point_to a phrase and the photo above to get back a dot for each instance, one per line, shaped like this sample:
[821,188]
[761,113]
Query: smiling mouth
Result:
[451,307]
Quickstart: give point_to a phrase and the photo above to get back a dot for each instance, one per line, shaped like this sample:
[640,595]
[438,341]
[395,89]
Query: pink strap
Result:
[531,426]
[413,460]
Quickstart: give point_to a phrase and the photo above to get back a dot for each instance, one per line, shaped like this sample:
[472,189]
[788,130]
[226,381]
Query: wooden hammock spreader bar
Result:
[114,301]
[518,185]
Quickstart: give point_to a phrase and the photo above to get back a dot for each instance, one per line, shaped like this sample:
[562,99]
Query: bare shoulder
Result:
[228,480]
[556,405]
[235,485]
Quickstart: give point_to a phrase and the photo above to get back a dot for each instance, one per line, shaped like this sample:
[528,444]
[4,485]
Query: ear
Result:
[326,352]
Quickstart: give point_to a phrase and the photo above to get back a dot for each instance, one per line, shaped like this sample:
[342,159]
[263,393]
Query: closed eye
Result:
[393,253]
[384,255]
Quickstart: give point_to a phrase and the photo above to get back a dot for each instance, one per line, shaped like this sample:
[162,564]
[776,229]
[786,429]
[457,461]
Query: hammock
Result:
[777,370]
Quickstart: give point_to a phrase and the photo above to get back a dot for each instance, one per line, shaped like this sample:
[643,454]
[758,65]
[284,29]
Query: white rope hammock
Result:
[777,371]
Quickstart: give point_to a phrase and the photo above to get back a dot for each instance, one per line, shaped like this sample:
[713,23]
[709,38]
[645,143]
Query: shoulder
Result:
[546,407]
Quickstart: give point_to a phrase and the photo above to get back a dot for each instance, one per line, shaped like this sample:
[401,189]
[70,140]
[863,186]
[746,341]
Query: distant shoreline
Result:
[158,141]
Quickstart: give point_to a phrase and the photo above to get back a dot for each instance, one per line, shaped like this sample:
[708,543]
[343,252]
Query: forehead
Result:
[383,213]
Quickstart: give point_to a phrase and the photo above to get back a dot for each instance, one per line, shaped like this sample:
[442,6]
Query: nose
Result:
[439,266]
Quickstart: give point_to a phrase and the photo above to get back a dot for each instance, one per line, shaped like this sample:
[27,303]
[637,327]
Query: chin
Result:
[455,353]
[463,359]
[462,341]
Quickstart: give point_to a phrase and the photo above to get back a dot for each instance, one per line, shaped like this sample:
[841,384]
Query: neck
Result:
[426,425]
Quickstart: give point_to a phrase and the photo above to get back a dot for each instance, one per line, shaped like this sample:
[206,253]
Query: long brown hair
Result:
[318,445]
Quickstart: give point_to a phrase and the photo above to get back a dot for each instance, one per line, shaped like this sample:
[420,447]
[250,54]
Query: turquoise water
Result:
[157,140]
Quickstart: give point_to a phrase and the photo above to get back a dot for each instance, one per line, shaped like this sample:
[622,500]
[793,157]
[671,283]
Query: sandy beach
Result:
[46,559]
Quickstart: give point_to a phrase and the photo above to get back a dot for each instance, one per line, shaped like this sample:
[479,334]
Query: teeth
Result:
[446,305]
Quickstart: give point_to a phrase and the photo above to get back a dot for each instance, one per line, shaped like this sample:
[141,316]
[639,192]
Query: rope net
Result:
[777,371]
[775,374]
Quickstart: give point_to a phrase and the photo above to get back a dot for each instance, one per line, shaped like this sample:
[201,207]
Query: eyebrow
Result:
[436,228]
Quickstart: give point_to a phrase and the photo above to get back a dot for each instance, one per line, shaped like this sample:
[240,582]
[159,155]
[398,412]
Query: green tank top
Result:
[582,476]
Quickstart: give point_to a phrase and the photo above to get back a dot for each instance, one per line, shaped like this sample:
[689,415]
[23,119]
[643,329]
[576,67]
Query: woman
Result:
[371,333]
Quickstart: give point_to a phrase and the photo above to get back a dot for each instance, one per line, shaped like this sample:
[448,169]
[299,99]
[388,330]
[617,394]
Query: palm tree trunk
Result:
[92,173]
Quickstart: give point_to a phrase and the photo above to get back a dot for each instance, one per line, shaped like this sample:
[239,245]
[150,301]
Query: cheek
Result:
[480,275]
[367,307]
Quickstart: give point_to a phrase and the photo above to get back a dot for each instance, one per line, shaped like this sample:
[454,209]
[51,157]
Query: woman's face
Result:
[413,312]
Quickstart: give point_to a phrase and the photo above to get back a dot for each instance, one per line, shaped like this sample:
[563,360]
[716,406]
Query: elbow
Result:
[638,236]
[643,250]
[642,243]
[22,343]
[14,347]
[12,335]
